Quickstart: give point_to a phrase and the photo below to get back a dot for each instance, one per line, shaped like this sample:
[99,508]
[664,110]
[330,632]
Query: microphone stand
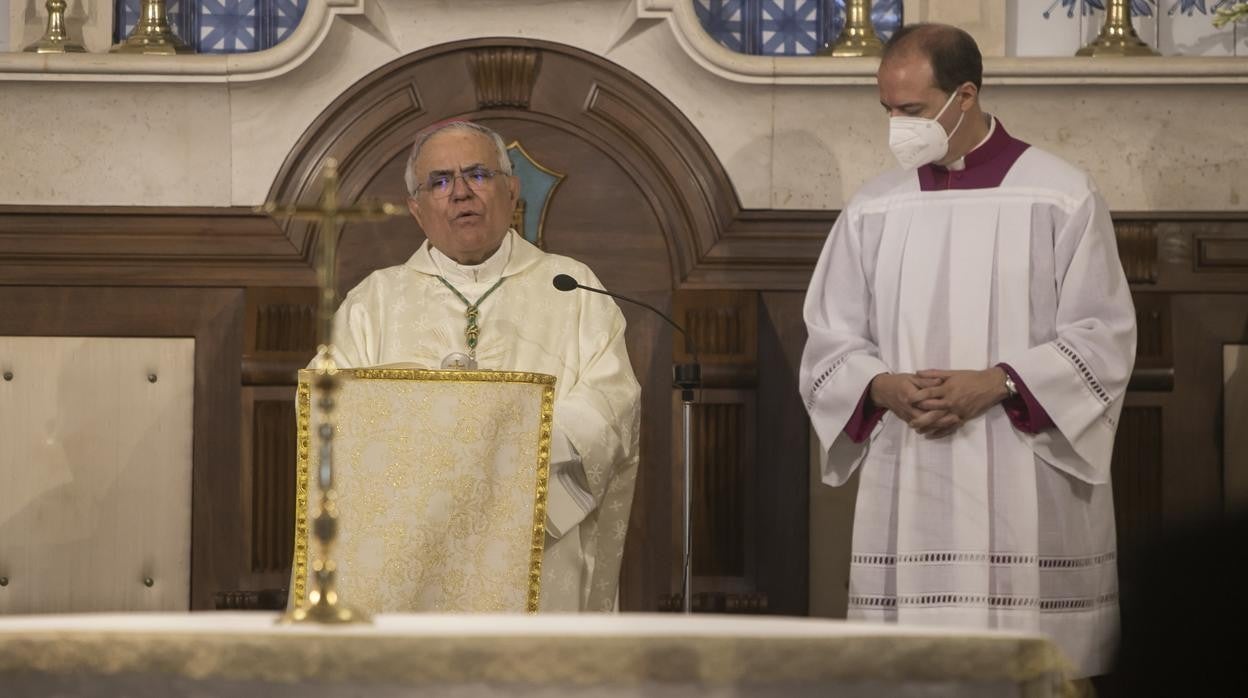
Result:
[688,378]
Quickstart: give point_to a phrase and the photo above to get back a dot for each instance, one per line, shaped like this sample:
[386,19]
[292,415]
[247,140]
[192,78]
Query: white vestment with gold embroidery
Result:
[405,315]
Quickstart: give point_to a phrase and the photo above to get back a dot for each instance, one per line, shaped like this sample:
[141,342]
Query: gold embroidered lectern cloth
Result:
[441,483]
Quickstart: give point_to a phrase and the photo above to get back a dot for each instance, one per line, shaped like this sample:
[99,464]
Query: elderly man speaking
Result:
[477,295]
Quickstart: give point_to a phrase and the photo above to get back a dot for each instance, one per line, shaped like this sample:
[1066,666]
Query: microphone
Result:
[563,282]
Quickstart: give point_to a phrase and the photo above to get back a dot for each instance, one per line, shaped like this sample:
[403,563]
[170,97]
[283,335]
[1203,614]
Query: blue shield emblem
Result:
[537,185]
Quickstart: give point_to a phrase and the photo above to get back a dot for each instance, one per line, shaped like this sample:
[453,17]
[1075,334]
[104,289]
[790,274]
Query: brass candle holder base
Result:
[858,38]
[1117,46]
[156,45]
[55,39]
[152,35]
[325,614]
[1117,37]
[326,608]
[48,45]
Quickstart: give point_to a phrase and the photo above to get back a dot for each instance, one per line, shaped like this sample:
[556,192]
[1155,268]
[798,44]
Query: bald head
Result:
[952,53]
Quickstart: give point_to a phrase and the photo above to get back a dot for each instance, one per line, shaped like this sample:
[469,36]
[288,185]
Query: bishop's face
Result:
[464,203]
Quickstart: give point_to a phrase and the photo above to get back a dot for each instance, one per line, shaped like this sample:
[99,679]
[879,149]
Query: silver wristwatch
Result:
[1009,386]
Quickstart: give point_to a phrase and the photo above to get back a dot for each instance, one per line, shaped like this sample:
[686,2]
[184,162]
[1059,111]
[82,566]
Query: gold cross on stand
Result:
[325,604]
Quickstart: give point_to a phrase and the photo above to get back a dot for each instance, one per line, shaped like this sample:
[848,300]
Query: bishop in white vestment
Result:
[416,313]
[1004,258]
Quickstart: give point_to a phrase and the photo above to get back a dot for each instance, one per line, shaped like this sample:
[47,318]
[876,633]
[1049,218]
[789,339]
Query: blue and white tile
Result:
[887,17]
[1187,29]
[724,20]
[1044,28]
[227,26]
[127,16]
[288,14]
[790,27]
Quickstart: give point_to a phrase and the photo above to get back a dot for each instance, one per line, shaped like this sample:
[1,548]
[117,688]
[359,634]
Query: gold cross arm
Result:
[329,209]
[331,215]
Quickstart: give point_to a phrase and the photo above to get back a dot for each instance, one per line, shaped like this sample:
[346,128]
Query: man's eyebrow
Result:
[465,168]
[906,106]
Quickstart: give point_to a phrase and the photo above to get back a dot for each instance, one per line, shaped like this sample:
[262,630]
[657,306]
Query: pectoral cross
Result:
[326,606]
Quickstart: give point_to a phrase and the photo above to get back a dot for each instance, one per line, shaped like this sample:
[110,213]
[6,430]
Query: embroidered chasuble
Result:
[408,315]
[1008,259]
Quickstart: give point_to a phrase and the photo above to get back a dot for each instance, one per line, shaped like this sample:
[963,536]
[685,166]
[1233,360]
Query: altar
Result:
[249,654]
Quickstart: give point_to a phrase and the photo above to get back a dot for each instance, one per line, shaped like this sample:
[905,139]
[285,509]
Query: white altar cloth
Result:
[246,654]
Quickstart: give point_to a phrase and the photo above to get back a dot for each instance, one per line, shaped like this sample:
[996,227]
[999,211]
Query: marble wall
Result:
[95,512]
[792,133]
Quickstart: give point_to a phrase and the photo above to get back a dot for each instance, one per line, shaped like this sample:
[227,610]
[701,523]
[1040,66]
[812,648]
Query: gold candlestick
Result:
[55,39]
[152,34]
[1117,37]
[858,37]
[325,604]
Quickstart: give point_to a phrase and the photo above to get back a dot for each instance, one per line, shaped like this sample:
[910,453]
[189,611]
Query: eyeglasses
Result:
[440,184]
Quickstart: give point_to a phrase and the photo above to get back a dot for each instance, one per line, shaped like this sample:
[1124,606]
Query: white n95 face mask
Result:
[916,141]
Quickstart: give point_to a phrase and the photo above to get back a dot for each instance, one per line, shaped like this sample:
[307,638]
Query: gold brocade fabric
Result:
[440,480]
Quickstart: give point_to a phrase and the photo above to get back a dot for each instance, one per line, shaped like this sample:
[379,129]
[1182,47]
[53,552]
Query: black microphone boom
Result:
[563,282]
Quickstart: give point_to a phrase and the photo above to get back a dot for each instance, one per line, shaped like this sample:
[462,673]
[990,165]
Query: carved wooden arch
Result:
[711,241]
[647,205]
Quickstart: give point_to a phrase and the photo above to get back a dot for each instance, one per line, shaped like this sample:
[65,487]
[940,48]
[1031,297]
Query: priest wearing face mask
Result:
[971,335]
[476,295]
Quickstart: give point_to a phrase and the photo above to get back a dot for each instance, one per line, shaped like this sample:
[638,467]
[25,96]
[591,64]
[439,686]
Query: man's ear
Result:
[414,207]
[513,188]
[970,95]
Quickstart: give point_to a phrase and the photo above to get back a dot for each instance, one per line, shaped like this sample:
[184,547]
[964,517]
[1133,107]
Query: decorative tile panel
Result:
[227,26]
[220,26]
[1173,27]
[725,21]
[786,27]
[1187,29]
[1044,27]
[790,27]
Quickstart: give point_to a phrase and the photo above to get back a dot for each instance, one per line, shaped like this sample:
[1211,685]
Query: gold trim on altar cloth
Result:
[437,429]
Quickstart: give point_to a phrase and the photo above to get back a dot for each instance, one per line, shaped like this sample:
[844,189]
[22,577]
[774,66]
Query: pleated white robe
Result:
[990,527]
